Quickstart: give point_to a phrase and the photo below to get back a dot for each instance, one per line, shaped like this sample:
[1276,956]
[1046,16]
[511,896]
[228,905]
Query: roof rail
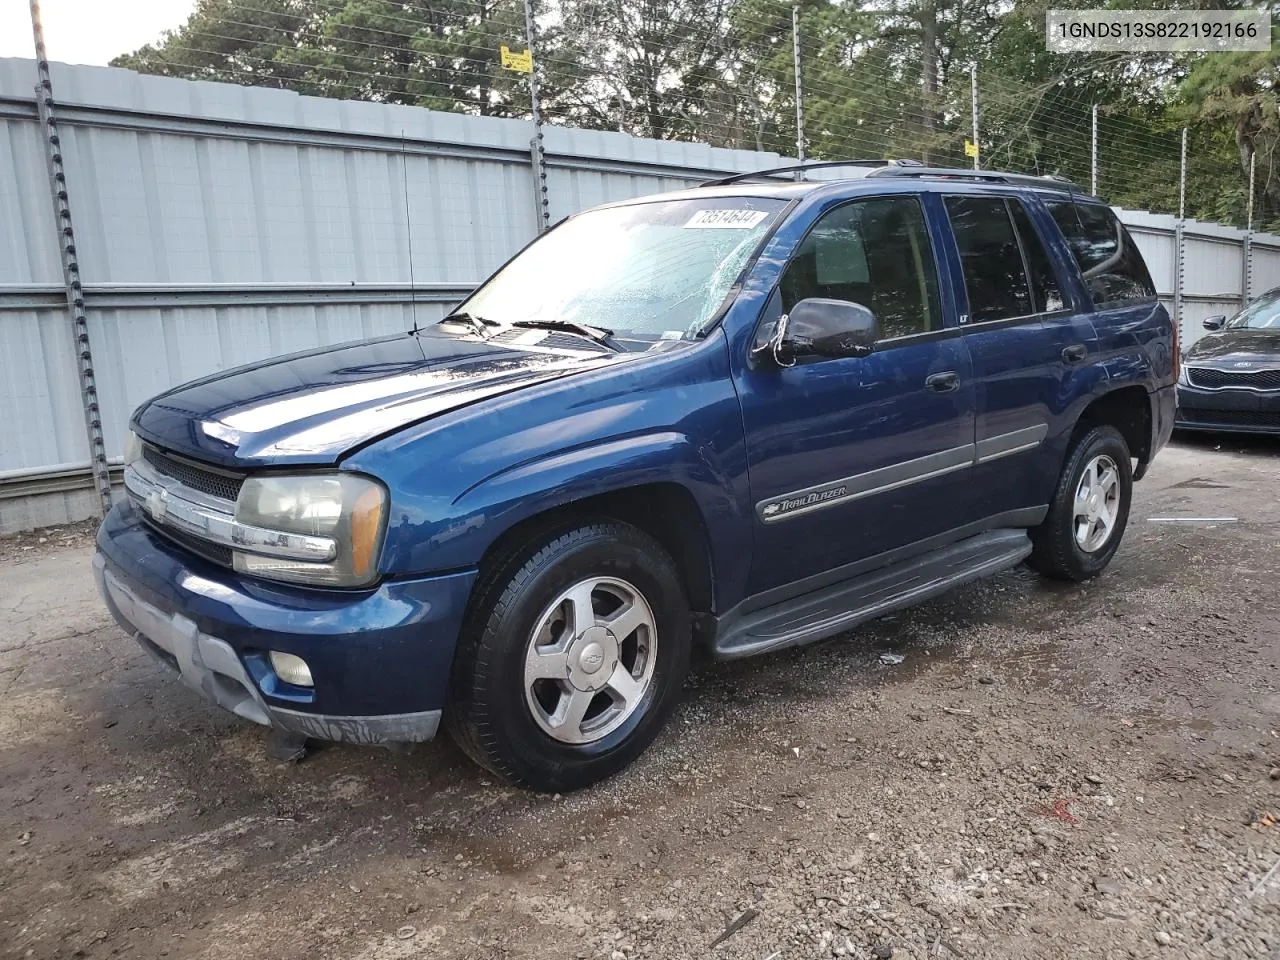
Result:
[796,168]
[1051,181]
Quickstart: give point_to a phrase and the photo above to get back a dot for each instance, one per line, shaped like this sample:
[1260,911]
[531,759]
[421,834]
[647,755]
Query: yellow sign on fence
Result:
[521,62]
[970,148]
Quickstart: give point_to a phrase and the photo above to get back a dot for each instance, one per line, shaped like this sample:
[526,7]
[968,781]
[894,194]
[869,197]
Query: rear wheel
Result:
[573,657]
[1089,511]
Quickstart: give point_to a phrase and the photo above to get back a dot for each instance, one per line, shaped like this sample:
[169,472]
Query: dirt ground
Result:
[1051,772]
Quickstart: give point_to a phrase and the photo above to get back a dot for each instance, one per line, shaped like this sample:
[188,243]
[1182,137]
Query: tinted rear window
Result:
[1044,282]
[991,258]
[1108,259]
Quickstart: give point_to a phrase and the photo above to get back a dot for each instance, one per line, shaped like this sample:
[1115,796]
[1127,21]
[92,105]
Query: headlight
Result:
[348,508]
[132,447]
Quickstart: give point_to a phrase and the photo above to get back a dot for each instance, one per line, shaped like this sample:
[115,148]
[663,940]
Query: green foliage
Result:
[882,78]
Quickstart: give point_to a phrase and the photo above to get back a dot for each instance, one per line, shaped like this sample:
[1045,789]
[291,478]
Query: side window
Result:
[991,259]
[872,252]
[1109,260]
[1044,282]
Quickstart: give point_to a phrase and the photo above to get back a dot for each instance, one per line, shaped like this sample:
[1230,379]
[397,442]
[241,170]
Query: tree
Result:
[649,67]
[1238,94]
[236,41]
[440,55]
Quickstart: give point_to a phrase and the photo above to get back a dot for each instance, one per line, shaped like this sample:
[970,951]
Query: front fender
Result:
[489,509]
[460,482]
[616,464]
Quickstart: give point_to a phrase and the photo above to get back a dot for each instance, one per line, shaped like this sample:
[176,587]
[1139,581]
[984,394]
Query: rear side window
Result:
[873,252]
[1109,260]
[994,273]
[1044,282]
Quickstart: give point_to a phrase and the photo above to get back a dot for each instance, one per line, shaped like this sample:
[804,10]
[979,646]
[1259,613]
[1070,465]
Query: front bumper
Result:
[380,658]
[1228,410]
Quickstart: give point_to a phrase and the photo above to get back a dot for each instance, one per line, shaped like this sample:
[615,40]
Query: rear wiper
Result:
[599,334]
[476,323]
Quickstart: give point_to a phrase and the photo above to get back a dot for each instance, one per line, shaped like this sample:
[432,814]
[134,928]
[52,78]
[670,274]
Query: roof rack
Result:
[1051,181]
[799,167]
[909,168]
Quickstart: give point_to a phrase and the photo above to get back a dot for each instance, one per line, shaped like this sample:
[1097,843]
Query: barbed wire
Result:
[737,90]
[419,80]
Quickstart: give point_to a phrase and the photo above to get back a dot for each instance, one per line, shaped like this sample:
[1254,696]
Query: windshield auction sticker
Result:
[725,219]
[1140,31]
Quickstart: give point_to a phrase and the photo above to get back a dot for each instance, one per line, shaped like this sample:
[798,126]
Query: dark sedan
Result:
[1231,379]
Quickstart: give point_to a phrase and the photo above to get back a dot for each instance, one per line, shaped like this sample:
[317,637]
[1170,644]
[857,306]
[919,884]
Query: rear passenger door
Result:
[1022,331]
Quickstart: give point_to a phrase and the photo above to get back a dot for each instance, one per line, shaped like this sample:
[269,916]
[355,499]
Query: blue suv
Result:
[740,418]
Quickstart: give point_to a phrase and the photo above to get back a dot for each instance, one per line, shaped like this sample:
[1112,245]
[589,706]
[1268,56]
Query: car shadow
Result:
[1248,444]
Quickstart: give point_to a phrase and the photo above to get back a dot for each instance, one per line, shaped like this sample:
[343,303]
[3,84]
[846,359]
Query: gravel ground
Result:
[1050,772]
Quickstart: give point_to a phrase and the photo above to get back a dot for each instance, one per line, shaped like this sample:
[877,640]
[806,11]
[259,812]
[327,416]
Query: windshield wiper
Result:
[476,323]
[599,334]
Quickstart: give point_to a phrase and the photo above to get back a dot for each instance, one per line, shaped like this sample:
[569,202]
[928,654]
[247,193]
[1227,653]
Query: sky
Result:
[88,31]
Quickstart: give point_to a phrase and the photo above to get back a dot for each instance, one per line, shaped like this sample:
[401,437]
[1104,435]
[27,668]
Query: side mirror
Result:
[1215,323]
[830,329]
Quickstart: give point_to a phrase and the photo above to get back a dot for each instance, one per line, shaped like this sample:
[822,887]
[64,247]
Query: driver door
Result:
[852,458]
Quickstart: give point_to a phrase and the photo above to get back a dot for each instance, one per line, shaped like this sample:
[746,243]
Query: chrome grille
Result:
[1211,379]
[214,483]
[213,552]
[205,523]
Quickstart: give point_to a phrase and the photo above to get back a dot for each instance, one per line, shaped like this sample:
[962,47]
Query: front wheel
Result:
[574,656]
[1089,511]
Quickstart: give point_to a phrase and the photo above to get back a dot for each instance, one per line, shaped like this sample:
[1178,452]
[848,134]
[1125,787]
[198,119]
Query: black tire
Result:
[488,716]
[1055,551]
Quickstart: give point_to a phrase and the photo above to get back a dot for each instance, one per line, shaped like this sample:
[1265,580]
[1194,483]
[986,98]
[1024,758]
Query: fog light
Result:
[291,669]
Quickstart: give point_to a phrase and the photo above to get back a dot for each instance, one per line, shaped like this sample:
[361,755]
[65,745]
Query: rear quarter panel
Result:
[1136,344]
[1135,348]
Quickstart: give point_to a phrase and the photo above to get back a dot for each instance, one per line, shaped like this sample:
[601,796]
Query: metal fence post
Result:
[70,268]
[537,146]
[1179,272]
[1253,157]
[1093,154]
[973,107]
[1180,240]
[1248,236]
[1182,179]
[1247,280]
[795,50]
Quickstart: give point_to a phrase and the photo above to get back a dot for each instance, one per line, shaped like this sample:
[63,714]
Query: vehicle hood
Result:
[311,408]
[1228,348]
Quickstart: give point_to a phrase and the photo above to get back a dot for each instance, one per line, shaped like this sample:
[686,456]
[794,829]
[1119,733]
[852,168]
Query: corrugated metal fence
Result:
[1220,267]
[219,224]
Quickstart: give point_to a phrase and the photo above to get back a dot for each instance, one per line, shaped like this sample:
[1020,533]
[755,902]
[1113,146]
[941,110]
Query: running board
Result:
[832,610]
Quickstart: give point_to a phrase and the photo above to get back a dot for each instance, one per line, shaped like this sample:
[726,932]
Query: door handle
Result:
[1075,353]
[943,382]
